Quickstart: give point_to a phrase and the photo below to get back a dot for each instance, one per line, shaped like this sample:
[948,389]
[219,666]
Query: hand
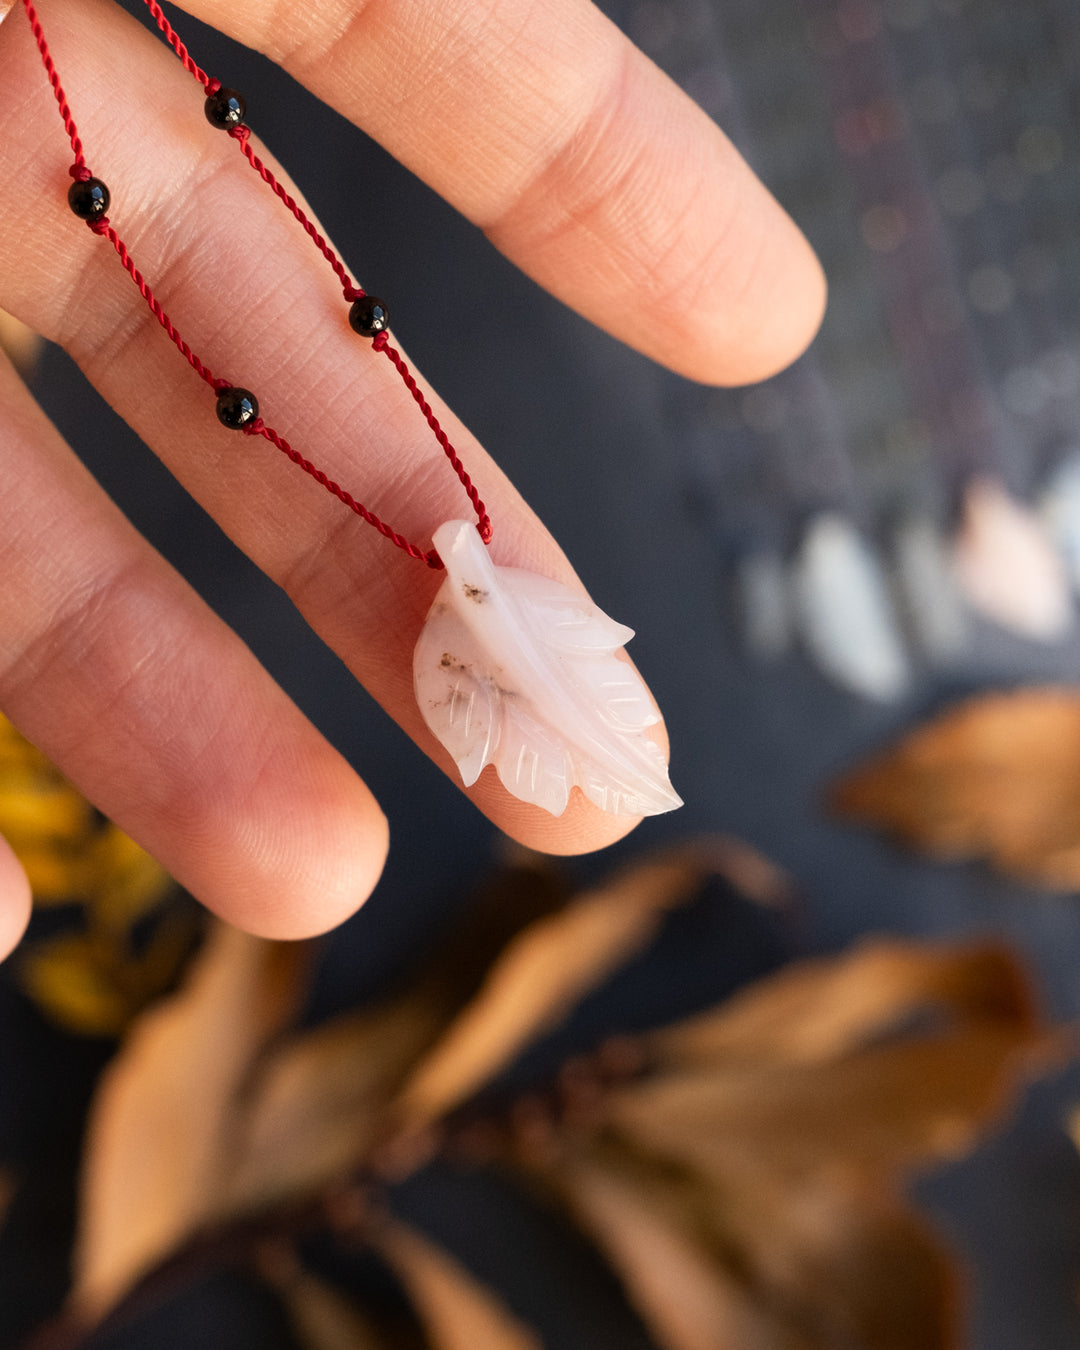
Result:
[579,160]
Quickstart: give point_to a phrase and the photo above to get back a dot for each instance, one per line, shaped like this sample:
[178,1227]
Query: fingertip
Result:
[746,343]
[316,864]
[16,900]
[582,827]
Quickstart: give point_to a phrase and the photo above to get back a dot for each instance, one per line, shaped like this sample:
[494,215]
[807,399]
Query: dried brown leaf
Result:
[161,1124]
[317,1104]
[316,1108]
[816,1009]
[322,1318]
[874,1110]
[997,777]
[754,875]
[765,1152]
[458,1312]
[767,1263]
[845,1263]
[542,972]
[687,1295]
[1074,1127]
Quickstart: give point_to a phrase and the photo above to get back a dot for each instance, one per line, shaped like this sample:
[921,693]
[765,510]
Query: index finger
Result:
[578,158]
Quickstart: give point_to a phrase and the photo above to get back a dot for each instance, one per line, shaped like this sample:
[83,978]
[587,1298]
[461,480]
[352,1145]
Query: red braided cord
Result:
[102,226]
[241,134]
[382,344]
[259,428]
[78,169]
[173,38]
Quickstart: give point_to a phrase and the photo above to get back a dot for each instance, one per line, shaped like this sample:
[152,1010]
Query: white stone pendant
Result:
[519,671]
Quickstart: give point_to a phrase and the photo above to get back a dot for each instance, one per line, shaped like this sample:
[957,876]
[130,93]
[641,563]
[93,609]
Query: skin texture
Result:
[545,127]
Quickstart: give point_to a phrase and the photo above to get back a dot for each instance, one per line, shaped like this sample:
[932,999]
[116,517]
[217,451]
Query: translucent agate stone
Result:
[520,672]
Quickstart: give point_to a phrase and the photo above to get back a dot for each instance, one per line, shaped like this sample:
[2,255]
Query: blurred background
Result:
[813,566]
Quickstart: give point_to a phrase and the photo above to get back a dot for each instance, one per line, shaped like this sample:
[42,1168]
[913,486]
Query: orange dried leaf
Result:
[884,1059]
[458,1312]
[686,1296]
[997,777]
[873,1111]
[754,875]
[816,1009]
[160,1129]
[316,1107]
[321,1317]
[541,974]
[844,1263]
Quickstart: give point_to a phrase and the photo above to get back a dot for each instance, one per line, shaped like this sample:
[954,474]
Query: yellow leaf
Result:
[56,875]
[70,981]
[52,814]
[457,1311]
[124,881]
[997,777]
[542,973]
[92,983]
[160,1133]
[69,853]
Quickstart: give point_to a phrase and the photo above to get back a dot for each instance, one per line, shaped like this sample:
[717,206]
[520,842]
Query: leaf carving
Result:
[519,671]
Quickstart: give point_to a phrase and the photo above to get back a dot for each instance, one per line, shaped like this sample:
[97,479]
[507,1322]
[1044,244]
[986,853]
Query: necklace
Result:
[511,669]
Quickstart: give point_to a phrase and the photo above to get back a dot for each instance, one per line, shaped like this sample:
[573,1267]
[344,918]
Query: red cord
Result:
[102,226]
[241,134]
[178,47]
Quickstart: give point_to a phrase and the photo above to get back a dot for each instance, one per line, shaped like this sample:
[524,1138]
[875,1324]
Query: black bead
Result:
[90,199]
[236,408]
[369,316]
[225,109]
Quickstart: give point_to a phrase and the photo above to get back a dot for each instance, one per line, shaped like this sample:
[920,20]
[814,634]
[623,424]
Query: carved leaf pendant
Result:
[519,671]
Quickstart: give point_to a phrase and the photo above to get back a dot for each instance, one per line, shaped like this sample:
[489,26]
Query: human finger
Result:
[113,666]
[269,317]
[579,159]
[14,900]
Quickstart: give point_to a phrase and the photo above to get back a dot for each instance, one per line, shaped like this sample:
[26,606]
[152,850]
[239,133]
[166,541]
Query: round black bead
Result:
[225,109]
[90,199]
[236,408]
[369,316]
